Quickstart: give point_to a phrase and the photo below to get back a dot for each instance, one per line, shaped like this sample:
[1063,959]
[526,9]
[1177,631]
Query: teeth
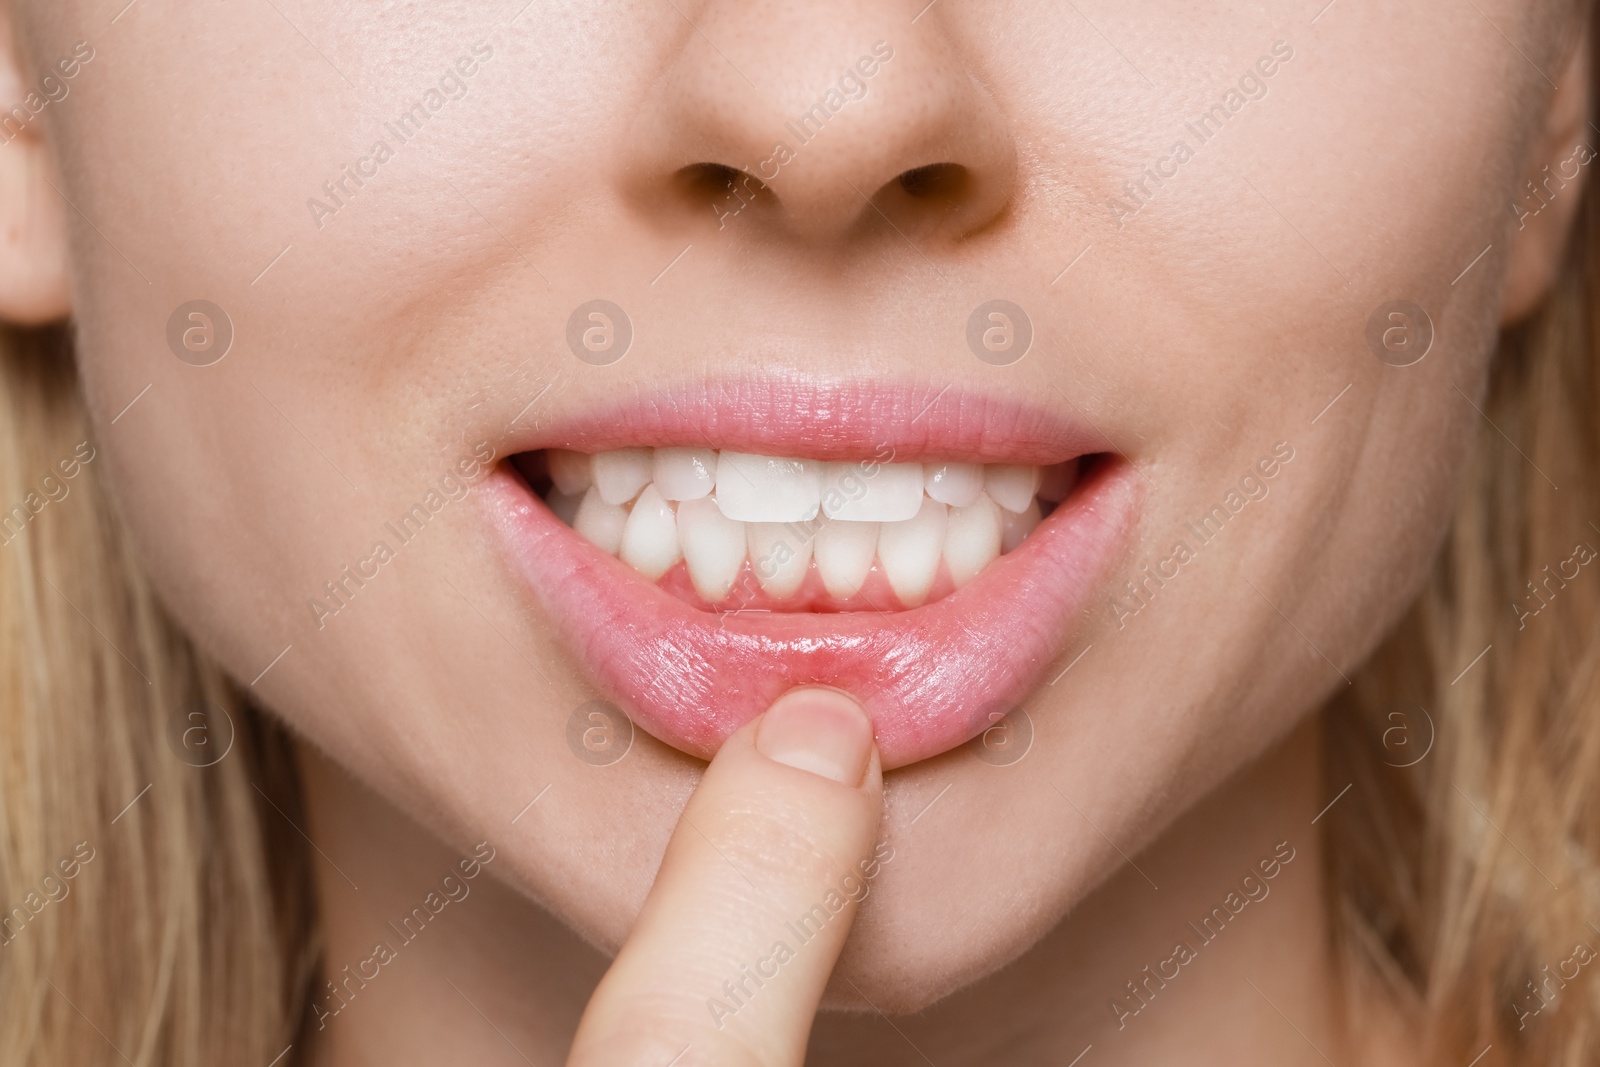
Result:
[1015,527]
[685,473]
[570,471]
[972,540]
[715,510]
[600,522]
[892,493]
[780,556]
[713,547]
[844,552]
[650,538]
[910,551]
[956,484]
[1012,487]
[619,475]
[754,488]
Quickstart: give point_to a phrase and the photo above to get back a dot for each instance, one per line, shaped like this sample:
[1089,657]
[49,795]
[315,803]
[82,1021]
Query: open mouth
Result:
[732,531]
[702,557]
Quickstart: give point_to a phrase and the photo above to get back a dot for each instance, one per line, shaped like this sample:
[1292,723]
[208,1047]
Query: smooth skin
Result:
[376,349]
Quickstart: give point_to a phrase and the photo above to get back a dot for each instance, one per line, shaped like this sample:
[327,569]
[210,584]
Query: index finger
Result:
[759,886]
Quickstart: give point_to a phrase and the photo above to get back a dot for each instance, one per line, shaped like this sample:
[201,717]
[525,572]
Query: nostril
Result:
[936,181]
[723,187]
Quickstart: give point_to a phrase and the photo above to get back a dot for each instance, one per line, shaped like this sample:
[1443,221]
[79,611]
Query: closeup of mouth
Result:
[706,550]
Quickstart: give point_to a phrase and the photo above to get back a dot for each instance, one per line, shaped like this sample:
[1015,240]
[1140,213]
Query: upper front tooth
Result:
[910,551]
[620,474]
[685,473]
[599,521]
[753,488]
[892,493]
[1011,486]
[569,471]
[650,536]
[956,484]
[713,547]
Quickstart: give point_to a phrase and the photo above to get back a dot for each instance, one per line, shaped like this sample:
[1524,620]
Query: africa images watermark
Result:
[340,591]
[52,89]
[1252,85]
[53,889]
[1253,888]
[52,489]
[339,190]
[1252,486]
[453,888]
[850,88]
[739,992]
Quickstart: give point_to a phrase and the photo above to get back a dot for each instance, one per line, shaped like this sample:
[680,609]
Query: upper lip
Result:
[929,675]
[828,420]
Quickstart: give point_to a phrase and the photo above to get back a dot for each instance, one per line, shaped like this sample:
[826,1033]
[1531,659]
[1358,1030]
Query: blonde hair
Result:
[151,910]
[188,938]
[1467,877]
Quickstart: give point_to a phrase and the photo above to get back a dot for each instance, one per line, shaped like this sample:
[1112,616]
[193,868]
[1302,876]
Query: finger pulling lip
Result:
[931,677]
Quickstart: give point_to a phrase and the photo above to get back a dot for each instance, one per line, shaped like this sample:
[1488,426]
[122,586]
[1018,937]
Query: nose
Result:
[826,121]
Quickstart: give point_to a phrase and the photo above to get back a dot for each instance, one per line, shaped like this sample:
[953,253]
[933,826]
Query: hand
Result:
[758,889]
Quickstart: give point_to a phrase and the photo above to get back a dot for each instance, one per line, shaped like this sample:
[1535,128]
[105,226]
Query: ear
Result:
[33,233]
[1546,200]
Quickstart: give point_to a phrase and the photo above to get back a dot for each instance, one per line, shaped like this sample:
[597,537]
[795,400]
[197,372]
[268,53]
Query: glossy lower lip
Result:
[931,677]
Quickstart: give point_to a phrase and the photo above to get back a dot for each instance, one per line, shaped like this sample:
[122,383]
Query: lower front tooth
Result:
[844,552]
[713,547]
[910,552]
[973,539]
[1015,527]
[650,537]
[600,522]
[780,554]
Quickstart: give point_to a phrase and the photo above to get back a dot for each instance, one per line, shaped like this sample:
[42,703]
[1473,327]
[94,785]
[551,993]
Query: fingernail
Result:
[822,731]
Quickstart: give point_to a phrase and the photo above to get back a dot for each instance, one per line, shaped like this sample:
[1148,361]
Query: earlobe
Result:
[33,237]
[1545,201]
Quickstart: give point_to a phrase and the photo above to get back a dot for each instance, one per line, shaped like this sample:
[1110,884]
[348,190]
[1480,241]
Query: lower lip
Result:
[931,677]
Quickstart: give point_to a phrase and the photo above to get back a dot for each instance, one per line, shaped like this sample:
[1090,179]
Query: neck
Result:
[1179,957]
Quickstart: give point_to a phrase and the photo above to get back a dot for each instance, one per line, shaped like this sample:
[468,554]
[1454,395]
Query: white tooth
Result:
[569,471]
[972,540]
[910,551]
[891,493]
[1011,486]
[1015,527]
[685,473]
[599,521]
[650,538]
[844,552]
[956,484]
[620,474]
[767,489]
[564,506]
[1057,480]
[713,547]
[780,554]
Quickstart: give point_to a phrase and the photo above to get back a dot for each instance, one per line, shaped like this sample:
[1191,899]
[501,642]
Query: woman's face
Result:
[1219,232]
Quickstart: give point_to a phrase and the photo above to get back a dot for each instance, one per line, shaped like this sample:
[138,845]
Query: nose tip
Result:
[843,126]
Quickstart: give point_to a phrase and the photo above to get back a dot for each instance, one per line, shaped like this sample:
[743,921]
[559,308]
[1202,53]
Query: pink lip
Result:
[930,677]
